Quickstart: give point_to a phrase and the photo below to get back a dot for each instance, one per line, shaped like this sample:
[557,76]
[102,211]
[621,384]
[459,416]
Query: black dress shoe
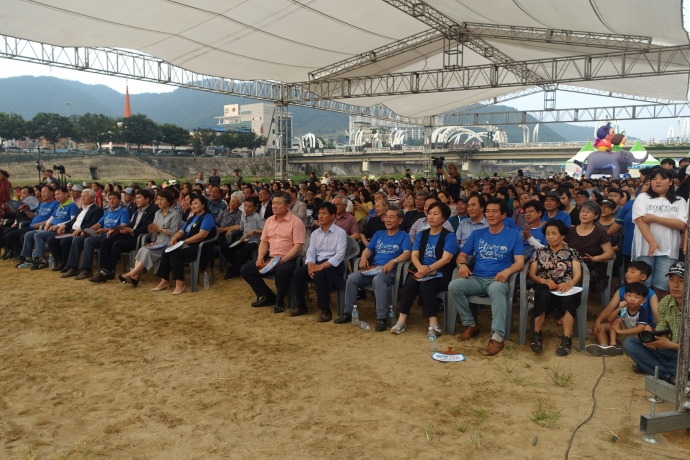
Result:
[265,301]
[65,269]
[279,308]
[325,317]
[345,319]
[299,310]
[228,276]
[381,325]
[98,278]
[59,268]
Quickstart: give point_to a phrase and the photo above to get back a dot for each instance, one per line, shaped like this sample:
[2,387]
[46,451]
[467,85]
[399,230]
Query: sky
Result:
[642,129]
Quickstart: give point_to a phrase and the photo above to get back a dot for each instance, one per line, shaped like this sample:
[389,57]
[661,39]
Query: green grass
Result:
[428,431]
[443,378]
[479,413]
[542,417]
[560,376]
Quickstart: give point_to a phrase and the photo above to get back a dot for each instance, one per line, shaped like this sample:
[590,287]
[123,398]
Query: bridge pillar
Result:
[372,167]
[474,166]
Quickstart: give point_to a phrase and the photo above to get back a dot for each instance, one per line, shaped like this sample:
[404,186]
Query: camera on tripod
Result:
[650,336]
[59,168]
[39,166]
[438,162]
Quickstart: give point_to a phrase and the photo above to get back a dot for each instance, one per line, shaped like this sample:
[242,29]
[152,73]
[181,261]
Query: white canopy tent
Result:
[285,40]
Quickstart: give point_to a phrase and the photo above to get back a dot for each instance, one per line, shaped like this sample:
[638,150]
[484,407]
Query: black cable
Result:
[594,406]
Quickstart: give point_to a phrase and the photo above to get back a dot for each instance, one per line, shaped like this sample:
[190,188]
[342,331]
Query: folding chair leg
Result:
[195,275]
[449,313]
[341,301]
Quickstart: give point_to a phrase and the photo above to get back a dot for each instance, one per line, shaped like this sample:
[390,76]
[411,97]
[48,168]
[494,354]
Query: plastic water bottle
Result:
[27,264]
[355,316]
[433,346]
[205,280]
[364,326]
[51,262]
[391,316]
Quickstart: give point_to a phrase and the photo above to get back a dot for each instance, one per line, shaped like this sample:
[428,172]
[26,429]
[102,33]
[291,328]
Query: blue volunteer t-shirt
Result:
[646,306]
[112,219]
[387,248]
[625,219]
[65,213]
[207,223]
[44,211]
[560,215]
[538,234]
[494,253]
[429,257]
[509,222]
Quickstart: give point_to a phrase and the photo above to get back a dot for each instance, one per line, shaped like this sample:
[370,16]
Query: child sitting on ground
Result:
[637,272]
[628,319]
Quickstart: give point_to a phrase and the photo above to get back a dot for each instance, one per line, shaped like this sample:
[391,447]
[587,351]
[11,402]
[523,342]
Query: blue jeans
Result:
[29,244]
[461,288]
[40,239]
[381,282]
[648,359]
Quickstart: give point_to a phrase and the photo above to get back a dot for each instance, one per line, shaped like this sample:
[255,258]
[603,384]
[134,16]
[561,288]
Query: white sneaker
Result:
[437,330]
[399,328]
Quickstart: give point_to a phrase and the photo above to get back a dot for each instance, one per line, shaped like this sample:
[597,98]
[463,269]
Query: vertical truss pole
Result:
[282,141]
[426,146]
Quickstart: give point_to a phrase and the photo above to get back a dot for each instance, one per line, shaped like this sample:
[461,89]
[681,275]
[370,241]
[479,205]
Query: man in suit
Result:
[298,207]
[126,241]
[266,207]
[88,215]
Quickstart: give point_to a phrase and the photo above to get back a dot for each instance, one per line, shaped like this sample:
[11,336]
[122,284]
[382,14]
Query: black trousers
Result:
[283,277]
[60,249]
[174,262]
[237,256]
[545,302]
[112,250]
[427,290]
[5,229]
[15,240]
[321,285]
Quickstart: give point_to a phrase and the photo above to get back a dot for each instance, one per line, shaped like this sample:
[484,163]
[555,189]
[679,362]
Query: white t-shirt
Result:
[667,238]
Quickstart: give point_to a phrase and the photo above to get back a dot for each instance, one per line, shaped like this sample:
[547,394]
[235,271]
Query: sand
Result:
[107,371]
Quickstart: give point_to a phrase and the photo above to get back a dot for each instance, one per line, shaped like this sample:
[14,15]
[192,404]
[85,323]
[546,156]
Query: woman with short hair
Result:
[166,223]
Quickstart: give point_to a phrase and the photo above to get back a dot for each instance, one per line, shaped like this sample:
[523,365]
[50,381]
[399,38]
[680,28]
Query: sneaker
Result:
[437,329]
[601,350]
[39,264]
[619,349]
[565,346]
[381,325]
[537,342]
[399,328]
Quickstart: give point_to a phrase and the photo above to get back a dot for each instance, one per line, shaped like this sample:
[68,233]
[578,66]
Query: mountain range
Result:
[28,95]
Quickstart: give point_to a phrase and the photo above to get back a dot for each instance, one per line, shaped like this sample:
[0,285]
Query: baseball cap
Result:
[128,190]
[77,188]
[608,203]
[677,269]
[553,194]
[464,198]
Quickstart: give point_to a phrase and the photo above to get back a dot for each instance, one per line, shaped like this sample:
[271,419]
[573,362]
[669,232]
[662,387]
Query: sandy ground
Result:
[107,371]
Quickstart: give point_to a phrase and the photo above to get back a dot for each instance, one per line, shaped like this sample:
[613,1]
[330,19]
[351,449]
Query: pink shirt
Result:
[283,235]
[348,223]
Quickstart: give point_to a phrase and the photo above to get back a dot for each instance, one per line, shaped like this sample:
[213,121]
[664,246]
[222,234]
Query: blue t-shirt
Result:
[64,214]
[44,211]
[538,234]
[112,219]
[429,256]
[625,219]
[207,223]
[387,248]
[560,215]
[494,253]
[509,222]
[646,306]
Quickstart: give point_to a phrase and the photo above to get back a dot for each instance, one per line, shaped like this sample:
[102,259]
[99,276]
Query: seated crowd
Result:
[423,237]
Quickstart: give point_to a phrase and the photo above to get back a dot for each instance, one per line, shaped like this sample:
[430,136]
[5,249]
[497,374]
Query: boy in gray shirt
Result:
[236,253]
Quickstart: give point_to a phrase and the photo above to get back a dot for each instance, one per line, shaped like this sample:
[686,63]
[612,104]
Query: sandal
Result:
[399,328]
[566,345]
[537,342]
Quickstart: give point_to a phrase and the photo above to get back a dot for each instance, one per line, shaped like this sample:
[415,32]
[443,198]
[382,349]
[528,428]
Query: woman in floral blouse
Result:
[555,267]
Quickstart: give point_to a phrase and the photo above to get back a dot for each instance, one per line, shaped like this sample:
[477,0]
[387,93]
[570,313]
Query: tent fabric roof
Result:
[284,40]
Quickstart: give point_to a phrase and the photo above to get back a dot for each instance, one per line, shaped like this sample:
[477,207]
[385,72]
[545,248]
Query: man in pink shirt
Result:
[282,236]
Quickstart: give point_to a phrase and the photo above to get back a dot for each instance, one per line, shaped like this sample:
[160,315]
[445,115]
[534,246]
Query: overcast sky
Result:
[643,129]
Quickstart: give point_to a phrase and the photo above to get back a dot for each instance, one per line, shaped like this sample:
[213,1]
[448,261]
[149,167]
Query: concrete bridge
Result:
[549,156]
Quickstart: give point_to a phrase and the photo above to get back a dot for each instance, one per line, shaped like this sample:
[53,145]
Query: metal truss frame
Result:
[557,36]
[140,66]
[590,114]
[282,141]
[672,60]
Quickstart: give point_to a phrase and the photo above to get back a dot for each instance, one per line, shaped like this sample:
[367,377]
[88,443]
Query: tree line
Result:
[135,130]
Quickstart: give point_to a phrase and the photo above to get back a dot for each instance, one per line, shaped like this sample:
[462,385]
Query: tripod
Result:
[61,177]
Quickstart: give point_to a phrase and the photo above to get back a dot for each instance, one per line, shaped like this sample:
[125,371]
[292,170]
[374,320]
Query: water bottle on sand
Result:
[433,345]
[355,316]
